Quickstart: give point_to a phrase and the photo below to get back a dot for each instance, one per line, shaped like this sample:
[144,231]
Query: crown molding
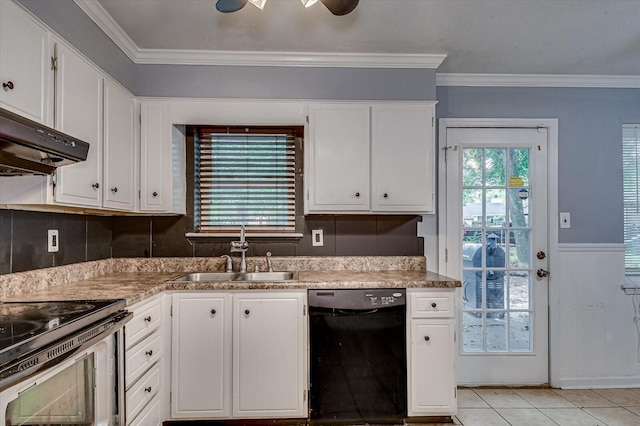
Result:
[287,59]
[106,23]
[539,80]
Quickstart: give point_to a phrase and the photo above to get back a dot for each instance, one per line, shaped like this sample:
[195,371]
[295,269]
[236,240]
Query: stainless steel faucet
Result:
[241,247]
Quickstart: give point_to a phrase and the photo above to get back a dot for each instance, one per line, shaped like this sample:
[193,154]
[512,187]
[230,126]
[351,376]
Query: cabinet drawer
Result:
[144,321]
[142,392]
[432,305]
[150,416]
[143,356]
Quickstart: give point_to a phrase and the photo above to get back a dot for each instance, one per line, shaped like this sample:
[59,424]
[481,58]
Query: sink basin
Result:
[238,276]
[266,276]
[206,276]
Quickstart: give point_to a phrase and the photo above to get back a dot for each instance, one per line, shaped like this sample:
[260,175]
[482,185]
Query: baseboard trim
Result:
[599,382]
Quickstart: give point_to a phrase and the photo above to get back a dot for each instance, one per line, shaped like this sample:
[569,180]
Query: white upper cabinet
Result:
[162,160]
[337,158]
[45,79]
[119,148]
[364,157]
[79,113]
[24,63]
[402,152]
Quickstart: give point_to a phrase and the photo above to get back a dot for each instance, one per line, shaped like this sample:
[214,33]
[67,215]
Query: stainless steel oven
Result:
[61,363]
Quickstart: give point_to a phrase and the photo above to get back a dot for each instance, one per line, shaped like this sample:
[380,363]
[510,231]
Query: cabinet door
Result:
[24,63]
[402,150]
[201,356]
[269,358]
[118,148]
[79,113]
[432,387]
[338,158]
[154,168]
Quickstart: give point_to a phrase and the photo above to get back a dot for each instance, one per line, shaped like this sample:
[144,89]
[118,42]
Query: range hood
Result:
[29,148]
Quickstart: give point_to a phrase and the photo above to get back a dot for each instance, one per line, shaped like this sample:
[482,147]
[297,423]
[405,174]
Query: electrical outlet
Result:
[52,241]
[565,220]
[317,238]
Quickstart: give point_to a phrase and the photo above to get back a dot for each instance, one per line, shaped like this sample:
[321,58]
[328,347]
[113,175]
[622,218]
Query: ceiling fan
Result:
[337,7]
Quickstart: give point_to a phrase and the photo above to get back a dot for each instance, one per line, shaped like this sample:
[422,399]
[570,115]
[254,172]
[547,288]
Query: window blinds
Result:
[631,185]
[245,179]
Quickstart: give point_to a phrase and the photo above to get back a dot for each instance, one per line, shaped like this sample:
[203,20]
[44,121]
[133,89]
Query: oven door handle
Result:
[59,351]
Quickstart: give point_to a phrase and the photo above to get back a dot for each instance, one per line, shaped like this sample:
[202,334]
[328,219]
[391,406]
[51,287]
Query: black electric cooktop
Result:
[27,326]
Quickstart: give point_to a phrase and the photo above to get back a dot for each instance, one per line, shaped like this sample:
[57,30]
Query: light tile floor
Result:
[542,407]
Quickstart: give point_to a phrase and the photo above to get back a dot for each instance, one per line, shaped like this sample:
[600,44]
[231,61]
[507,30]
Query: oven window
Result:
[67,398]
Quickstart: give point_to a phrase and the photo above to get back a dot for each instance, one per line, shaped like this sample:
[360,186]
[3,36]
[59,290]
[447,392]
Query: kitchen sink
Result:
[266,276]
[238,276]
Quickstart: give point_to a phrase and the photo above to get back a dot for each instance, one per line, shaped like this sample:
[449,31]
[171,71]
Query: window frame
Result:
[295,131]
[630,134]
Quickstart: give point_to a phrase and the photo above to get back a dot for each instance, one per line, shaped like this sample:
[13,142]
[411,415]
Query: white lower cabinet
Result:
[239,355]
[431,353]
[144,364]
[201,355]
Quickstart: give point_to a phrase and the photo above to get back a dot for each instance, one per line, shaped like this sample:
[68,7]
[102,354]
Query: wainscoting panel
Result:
[594,337]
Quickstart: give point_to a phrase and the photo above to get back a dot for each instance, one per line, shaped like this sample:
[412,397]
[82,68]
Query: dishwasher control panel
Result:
[357,298]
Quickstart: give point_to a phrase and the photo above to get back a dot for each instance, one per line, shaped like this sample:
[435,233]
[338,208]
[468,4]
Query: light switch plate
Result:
[565,220]
[317,238]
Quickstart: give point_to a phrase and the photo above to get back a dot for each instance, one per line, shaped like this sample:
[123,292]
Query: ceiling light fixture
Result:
[258,3]
[309,3]
[337,7]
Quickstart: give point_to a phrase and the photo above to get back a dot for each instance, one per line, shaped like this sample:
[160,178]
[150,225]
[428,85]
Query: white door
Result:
[496,243]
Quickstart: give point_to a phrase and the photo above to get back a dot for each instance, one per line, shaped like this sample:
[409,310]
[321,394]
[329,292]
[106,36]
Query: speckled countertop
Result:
[138,279]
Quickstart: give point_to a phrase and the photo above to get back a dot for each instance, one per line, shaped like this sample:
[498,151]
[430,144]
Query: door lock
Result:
[541,255]
[542,273]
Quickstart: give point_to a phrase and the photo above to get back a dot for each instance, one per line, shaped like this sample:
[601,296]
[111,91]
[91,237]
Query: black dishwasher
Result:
[358,355]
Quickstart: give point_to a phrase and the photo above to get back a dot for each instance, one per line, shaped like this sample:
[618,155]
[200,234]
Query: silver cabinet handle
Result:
[114,189]
[95,185]
[148,319]
[8,85]
[427,338]
[149,352]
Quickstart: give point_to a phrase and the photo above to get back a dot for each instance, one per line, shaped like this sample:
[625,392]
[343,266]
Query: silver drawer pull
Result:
[147,389]
[148,319]
[427,338]
[149,352]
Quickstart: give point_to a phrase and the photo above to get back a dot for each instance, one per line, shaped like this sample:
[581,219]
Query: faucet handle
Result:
[269,261]
[229,265]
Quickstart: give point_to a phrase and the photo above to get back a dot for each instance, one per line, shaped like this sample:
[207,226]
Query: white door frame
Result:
[552,220]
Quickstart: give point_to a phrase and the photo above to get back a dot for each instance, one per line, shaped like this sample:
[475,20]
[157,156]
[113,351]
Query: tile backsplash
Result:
[23,238]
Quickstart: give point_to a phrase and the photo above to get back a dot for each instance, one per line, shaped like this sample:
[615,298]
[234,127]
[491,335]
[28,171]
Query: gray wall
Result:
[284,82]
[71,23]
[589,145]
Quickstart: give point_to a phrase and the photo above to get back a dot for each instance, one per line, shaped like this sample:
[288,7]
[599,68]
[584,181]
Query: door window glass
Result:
[496,250]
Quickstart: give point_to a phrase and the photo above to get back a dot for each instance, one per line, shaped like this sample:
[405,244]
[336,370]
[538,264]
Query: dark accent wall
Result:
[23,239]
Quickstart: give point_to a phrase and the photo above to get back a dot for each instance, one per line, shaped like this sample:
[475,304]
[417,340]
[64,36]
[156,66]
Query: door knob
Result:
[541,255]
[542,273]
